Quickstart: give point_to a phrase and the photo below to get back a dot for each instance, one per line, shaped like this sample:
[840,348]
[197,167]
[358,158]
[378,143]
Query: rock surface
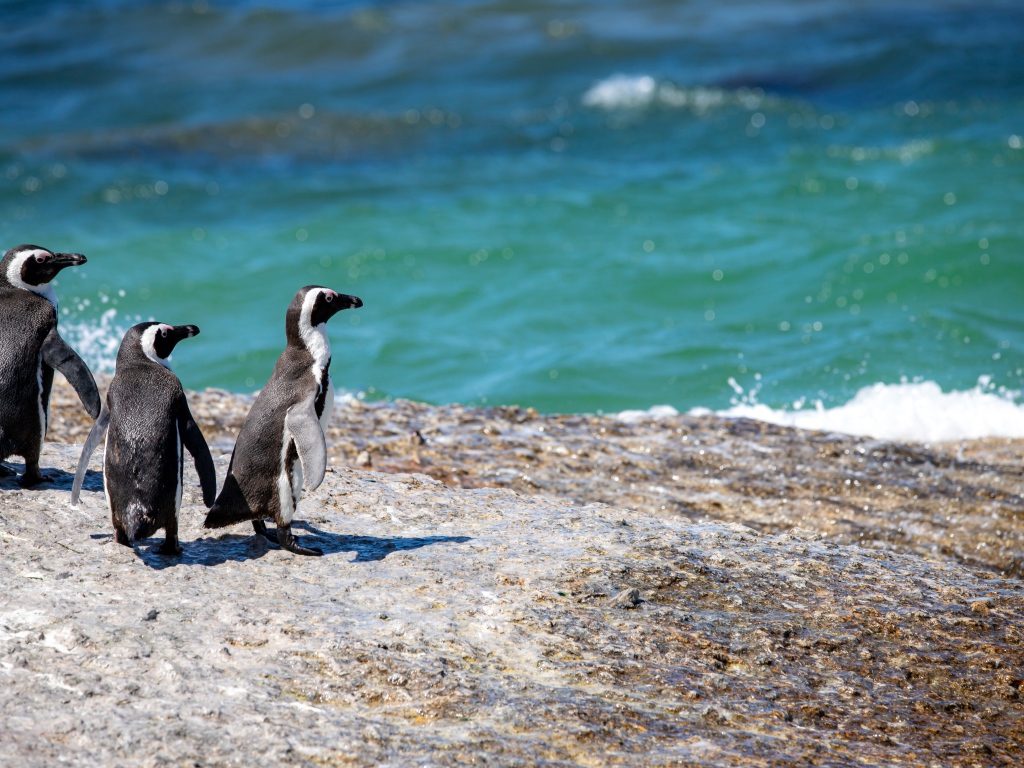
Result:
[449,626]
[962,502]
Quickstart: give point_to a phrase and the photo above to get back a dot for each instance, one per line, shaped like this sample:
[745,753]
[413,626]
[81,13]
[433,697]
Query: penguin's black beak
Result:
[49,269]
[61,260]
[349,302]
[184,331]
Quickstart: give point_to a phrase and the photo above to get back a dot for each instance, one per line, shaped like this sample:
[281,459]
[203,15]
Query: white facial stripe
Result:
[148,344]
[14,276]
[314,337]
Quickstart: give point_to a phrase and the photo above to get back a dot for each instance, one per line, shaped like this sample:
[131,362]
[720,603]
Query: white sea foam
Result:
[96,342]
[918,411]
[621,92]
[643,91]
[654,413]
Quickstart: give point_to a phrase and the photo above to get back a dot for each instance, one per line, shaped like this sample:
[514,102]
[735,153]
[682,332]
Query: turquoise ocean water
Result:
[578,206]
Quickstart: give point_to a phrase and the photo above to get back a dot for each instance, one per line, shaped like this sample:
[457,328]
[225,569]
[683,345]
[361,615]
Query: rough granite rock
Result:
[448,626]
[961,501]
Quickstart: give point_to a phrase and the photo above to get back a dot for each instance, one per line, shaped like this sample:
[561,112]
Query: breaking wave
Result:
[96,342]
[918,411]
[643,91]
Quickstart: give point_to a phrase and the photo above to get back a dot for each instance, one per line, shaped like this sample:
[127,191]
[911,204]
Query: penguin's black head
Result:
[328,303]
[31,267]
[314,305]
[155,340]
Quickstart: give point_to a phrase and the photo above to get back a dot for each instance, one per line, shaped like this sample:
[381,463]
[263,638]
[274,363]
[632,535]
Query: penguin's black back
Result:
[142,463]
[25,320]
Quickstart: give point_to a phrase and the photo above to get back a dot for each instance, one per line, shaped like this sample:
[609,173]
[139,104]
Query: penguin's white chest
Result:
[289,479]
[317,344]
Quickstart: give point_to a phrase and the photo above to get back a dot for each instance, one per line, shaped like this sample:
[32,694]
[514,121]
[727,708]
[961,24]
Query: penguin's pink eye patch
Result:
[41,257]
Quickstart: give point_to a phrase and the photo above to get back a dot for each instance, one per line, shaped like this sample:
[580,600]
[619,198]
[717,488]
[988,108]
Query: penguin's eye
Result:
[163,332]
[40,257]
[329,297]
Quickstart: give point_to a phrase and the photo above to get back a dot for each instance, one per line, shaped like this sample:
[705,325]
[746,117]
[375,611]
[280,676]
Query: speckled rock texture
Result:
[453,626]
[961,502]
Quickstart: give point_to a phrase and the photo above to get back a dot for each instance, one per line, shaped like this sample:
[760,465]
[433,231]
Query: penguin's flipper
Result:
[95,435]
[193,440]
[302,423]
[57,354]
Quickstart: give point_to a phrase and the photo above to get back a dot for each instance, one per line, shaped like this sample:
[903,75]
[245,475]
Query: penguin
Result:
[281,445]
[147,421]
[30,350]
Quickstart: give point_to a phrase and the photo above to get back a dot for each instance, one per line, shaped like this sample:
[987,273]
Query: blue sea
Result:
[761,207]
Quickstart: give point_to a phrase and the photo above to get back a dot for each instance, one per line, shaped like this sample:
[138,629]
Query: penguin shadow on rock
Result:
[147,424]
[30,351]
[52,479]
[210,551]
[202,552]
[372,548]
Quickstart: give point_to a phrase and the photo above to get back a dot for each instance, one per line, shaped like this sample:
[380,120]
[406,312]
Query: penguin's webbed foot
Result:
[288,541]
[170,548]
[261,528]
[30,479]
